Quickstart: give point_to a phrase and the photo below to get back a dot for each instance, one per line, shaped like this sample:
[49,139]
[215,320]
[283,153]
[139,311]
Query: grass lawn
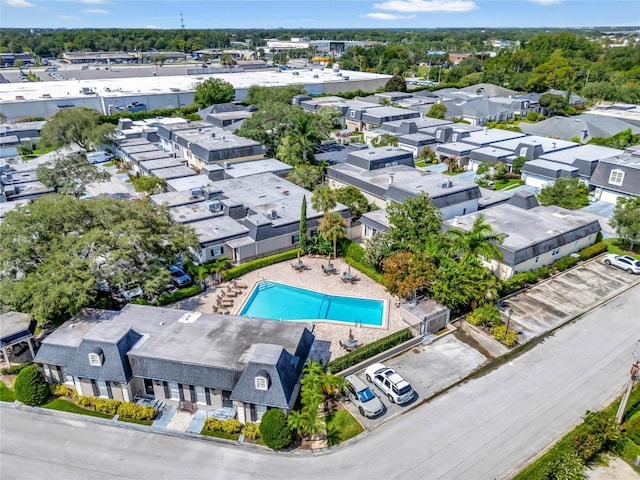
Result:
[228,436]
[133,420]
[615,246]
[341,426]
[508,184]
[67,406]
[108,164]
[6,394]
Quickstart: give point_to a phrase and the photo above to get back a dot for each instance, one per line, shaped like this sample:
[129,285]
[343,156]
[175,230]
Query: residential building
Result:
[533,235]
[208,360]
[583,127]
[363,115]
[618,176]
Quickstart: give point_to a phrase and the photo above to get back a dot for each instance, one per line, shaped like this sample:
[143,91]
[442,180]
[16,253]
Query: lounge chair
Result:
[240,284]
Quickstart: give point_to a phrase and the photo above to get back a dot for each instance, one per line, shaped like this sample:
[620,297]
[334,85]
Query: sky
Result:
[219,14]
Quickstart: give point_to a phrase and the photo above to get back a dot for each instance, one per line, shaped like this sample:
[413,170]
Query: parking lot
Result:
[429,369]
[561,298]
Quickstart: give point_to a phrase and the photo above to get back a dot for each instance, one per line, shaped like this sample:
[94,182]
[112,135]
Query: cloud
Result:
[93,1]
[155,27]
[18,3]
[68,17]
[388,16]
[429,6]
[97,11]
[546,2]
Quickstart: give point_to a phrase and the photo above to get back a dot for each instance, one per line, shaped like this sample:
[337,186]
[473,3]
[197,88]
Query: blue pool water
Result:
[276,301]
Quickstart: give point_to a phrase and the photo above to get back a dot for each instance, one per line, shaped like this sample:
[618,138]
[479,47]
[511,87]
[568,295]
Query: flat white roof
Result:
[118,87]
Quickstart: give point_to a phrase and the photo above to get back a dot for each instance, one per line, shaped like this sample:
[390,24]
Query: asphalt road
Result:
[484,429]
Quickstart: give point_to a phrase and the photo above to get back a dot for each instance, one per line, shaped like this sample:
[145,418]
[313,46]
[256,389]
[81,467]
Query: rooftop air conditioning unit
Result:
[227,165]
[196,192]
[446,184]
[273,214]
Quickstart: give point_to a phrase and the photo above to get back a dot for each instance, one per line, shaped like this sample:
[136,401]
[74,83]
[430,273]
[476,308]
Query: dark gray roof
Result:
[545,168]
[377,219]
[283,376]
[524,200]
[627,163]
[14,325]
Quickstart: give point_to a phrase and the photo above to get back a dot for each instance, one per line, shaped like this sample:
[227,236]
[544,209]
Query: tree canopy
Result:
[71,174]
[57,251]
[413,221]
[566,193]
[76,126]
[626,219]
[213,91]
[437,110]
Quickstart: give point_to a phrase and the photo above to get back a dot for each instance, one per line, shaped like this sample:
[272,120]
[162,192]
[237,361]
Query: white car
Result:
[396,388]
[625,262]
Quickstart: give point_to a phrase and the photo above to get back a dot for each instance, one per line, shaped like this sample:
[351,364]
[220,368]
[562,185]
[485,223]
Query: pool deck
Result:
[314,279]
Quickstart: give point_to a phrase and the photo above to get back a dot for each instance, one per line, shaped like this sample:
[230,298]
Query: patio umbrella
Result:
[349,270]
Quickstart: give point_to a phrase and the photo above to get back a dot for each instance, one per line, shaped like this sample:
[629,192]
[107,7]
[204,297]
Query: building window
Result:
[295,238]
[616,177]
[555,252]
[352,114]
[537,258]
[201,395]
[174,391]
[216,251]
[96,357]
[262,380]
[523,152]
[260,411]
[103,389]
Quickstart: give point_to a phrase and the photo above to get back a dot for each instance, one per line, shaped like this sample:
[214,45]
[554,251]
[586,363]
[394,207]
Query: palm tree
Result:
[481,240]
[323,199]
[333,227]
[219,267]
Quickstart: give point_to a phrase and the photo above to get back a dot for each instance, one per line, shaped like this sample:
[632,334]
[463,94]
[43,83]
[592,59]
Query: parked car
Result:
[178,277]
[368,404]
[625,262]
[396,388]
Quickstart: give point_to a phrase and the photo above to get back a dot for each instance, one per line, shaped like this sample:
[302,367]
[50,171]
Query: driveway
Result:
[551,303]
[429,368]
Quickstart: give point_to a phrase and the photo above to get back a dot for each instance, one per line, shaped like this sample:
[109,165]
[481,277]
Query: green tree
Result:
[333,227]
[323,199]
[149,184]
[303,224]
[30,386]
[553,104]
[378,248]
[78,126]
[412,221]
[257,95]
[71,174]
[269,125]
[385,140]
[274,429]
[58,249]
[437,110]
[158,59]
[485,315]
[626,219]
[353,198]
[300,140]
[306,175]
[518,163]
[213,91]
[396,84]
[566,193]
[481,240]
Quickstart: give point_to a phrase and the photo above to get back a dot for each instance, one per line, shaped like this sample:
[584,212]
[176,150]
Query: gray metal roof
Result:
[548,169]
[627,163]
[178,171]
[377,219]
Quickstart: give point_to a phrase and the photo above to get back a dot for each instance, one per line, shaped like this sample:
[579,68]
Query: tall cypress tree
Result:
[303,224]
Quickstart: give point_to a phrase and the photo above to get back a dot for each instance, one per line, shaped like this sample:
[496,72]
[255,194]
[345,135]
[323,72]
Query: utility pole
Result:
[635,368]
[181,21]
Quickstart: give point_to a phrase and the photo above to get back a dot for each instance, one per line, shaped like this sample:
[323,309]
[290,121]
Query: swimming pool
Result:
[277,301]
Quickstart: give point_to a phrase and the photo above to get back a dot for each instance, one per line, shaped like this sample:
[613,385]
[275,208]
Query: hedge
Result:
[15,369]
[592,250]
[123,409]
[252,431]
[367,351]
[30,386]
[61,390]
[259,263]
[186,112]
[225,426]
[354,255]
[179,295]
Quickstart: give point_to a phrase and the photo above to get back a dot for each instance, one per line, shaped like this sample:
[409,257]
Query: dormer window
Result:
[616,177]
[523,152]
[262,380]
[96,357]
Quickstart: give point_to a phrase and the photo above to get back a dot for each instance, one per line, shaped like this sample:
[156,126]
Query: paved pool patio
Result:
[313,278]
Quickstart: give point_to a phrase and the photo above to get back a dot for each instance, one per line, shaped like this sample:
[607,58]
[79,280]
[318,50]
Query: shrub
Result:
[106,405]
[252,431]
[274,430]
[518,281]
[592,250]
[140,301]
[543,272]
[532,116]
[367,351]
[500,333]
[136,412]
[632,427]
[226,426]
[486,314]
[61,390]
[564,263]
[259,263]
[15,369]
[30,386]
[354,255]
[179,295]
[85,401]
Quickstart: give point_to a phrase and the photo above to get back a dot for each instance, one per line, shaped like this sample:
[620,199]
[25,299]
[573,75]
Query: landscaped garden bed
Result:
[341,426]
[227,429]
